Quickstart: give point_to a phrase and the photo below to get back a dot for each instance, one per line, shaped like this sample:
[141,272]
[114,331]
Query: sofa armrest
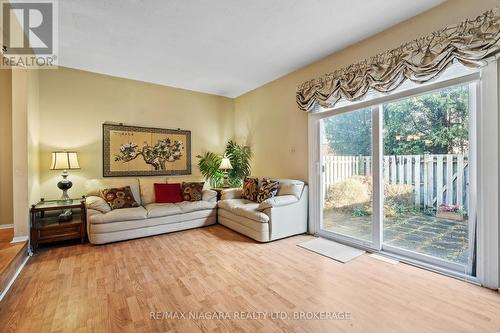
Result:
[97,203]
[278,201]
[231,193]
[209,195]
[291,219]
[92,212]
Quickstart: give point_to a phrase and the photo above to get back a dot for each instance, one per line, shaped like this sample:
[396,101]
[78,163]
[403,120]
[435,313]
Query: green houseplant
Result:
[240,157]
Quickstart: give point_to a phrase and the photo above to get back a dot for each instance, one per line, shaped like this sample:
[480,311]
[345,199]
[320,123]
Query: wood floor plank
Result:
[115,287]
[6,236]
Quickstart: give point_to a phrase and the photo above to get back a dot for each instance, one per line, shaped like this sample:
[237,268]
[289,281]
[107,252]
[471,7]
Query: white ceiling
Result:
[222,47]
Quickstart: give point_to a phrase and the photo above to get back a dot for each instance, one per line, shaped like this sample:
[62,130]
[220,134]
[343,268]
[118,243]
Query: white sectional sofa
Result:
[281,216]
[105,225]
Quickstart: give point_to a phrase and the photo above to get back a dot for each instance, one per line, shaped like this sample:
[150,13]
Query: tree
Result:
[350,133]
[163,151]
[434,123]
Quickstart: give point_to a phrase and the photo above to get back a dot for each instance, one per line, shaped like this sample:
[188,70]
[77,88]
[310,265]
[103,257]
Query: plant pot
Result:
[450,216]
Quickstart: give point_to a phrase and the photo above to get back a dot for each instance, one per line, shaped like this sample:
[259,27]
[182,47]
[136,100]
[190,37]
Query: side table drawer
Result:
[60,233]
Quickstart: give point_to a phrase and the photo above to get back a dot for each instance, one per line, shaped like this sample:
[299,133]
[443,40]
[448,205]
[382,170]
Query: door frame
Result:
[488,230]
[486,127]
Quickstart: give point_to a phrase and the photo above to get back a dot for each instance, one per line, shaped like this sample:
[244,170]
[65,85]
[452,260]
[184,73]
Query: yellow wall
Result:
[269,118]
[5,146]
[74,104]
[20,176]
[33,136]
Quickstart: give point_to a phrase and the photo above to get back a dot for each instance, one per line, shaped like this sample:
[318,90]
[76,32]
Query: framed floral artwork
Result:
[145,151]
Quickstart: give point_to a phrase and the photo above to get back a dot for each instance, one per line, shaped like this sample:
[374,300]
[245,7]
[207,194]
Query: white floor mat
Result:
[331,249]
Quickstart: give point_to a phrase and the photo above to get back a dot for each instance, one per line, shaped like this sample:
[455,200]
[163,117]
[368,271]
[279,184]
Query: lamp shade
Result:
[225,164]
[64,160]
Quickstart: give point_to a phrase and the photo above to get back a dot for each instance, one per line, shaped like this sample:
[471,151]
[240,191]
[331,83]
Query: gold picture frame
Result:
[145,151]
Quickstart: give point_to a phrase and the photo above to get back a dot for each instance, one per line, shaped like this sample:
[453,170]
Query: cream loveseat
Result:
[105,225]
[278,217]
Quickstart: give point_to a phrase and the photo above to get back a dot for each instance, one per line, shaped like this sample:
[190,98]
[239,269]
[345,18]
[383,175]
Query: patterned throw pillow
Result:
[250,188]
[192,191]
[119,197]
[268,189]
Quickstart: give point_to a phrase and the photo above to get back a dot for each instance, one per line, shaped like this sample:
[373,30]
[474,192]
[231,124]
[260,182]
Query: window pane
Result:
[347,181]
[426,149]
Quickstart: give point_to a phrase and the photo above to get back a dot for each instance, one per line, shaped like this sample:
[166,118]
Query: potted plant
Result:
[240,157]
[451,212]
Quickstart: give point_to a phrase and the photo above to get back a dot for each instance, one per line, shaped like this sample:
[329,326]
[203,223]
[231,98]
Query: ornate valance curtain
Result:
[470,43]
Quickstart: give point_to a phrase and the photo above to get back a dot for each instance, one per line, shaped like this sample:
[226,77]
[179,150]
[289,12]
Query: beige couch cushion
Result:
[192,206]
[290,187]
[163,209]
[148,189]
[209,195]
[94,186]
[116,215]
[244,208]
[230,204]
[251,228]
[282,200]
[118,226]
[179,219]
[231,193]
[167,209]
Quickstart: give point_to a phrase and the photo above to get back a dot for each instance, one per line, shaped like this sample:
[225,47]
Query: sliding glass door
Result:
[346,149]
[426,176]
[396,176]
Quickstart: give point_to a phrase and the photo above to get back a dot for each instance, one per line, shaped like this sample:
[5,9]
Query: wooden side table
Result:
[46,226]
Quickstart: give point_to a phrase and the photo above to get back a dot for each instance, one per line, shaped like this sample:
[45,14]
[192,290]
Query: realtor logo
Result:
[29,36]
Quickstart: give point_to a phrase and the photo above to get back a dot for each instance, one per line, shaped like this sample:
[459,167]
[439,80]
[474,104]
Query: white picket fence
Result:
[437,179]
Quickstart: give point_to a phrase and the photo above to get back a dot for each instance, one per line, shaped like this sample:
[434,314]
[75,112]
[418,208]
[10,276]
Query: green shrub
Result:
[360,212]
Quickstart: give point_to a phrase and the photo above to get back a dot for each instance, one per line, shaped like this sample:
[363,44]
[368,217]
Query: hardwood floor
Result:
[114,287]
[11,256]
[6,236]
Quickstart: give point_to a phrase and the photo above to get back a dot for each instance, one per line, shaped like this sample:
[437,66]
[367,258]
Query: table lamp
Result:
[225,165]
[64,160]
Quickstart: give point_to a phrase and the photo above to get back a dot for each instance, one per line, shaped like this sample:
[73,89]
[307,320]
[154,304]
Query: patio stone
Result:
[431,229]
[391,234]
[427,234]
[445,239]
[435,251]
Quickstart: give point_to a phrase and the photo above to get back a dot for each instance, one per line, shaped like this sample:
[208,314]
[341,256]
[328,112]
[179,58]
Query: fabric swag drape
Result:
[470,43]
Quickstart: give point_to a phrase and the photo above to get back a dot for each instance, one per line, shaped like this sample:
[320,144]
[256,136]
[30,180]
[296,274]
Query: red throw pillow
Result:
[168,193]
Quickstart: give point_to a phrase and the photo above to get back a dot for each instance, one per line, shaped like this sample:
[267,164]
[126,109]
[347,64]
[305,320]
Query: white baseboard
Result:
[19,239]
[11,282]
[6,226]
